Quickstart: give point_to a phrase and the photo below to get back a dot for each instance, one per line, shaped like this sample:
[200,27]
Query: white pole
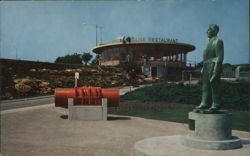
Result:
[76,77]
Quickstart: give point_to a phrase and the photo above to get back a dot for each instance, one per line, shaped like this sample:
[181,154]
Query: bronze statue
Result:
[211,72]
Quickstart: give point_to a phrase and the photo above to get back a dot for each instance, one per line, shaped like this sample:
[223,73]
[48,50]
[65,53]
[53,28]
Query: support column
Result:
[185,58]
[87,112]
[176,57]
[150,71]
[104,109]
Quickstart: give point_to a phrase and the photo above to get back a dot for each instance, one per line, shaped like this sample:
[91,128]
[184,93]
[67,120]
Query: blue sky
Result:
[44,30]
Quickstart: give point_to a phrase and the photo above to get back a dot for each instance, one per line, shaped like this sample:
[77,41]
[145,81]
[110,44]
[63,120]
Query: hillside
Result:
[29,78]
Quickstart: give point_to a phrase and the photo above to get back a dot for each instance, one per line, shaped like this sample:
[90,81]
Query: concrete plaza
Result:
[46,131]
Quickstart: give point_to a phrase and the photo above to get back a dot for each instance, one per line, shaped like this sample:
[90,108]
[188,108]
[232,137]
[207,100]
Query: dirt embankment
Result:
[28,78]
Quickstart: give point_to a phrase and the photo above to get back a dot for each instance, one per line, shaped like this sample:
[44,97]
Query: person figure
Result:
[211,72]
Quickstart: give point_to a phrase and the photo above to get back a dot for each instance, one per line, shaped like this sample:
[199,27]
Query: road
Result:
[43,100]
[28,102]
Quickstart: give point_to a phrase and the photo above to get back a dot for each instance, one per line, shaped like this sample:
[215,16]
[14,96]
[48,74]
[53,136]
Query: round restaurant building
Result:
[156,56]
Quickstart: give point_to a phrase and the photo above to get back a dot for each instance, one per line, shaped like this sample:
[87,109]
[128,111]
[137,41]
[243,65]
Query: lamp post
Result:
[100,33]
[16,54]
[96,31]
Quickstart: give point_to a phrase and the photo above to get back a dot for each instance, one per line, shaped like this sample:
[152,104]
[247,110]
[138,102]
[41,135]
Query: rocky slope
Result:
[30,79]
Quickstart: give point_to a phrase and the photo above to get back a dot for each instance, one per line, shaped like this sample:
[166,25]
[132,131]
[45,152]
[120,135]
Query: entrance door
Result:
[154,71]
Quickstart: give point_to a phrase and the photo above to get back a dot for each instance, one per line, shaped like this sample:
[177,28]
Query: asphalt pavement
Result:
[26,102]
[44,100]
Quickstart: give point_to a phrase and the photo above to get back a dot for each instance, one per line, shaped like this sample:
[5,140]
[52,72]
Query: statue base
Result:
[211,131]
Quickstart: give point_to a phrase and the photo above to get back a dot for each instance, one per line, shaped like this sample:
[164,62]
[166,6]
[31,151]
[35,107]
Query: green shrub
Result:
[171,77]
[235,95]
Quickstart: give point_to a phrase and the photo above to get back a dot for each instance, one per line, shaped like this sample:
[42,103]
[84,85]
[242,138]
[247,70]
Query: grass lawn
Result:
[172,102]
[241,119]
[234,96]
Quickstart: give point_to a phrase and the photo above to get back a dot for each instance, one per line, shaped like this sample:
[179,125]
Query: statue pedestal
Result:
[211,131]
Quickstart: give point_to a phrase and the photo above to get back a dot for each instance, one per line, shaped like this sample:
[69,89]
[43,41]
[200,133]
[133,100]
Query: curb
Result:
[48,96]
[27,99]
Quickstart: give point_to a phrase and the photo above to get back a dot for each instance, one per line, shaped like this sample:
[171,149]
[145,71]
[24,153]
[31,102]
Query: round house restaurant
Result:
[156,56]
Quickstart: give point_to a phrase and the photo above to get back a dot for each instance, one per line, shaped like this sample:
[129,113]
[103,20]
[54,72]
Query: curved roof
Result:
[145,46]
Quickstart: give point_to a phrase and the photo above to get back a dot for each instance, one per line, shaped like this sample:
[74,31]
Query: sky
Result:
[44,30]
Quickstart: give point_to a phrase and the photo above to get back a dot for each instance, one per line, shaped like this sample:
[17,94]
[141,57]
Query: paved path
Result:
[46,131]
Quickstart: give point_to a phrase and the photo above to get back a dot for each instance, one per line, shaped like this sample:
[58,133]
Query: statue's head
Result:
[213,30]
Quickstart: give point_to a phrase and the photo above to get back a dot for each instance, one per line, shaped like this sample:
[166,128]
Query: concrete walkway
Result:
[126,89]
[46,131]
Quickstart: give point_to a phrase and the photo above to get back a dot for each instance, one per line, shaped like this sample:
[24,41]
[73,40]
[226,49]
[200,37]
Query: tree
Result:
[96,60]
[86,57]
[70,59]
[199,65]
[132,70]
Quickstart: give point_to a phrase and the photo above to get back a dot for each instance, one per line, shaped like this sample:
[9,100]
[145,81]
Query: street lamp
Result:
[100,33]
[96,32]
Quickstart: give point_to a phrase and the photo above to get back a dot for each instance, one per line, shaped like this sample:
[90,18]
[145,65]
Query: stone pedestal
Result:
[87,113]
[211,131]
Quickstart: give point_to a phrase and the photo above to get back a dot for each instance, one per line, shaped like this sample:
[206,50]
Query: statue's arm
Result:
[220,56]
[218,61]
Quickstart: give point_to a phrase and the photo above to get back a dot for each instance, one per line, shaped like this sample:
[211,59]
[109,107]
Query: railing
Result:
[166,63]
[228,75]
[191,64]
[191,75]
[241,74]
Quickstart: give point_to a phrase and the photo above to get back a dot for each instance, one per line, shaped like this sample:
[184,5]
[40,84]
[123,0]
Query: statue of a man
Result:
[212,68]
